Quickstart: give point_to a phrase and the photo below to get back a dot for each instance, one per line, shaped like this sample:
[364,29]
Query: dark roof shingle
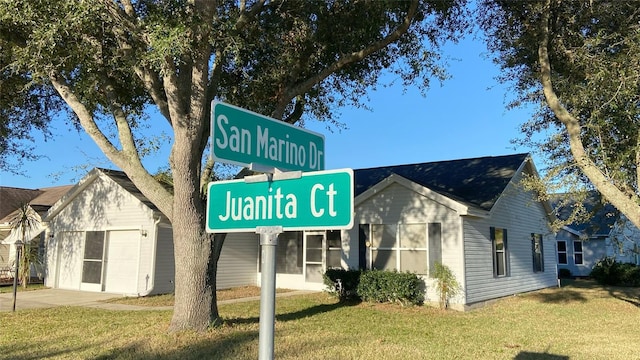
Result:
[476,181]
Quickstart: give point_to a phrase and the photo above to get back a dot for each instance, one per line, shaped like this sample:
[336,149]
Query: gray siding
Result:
[238,263]
[164,267]
[517,212]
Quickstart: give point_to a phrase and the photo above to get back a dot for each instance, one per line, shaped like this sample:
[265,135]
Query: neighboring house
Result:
[11,200]
[606,233]
[470,215]
[105,235]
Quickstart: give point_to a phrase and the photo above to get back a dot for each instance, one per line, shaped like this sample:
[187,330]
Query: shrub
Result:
[608,271]
[391,286]
[342,283]
[446,284]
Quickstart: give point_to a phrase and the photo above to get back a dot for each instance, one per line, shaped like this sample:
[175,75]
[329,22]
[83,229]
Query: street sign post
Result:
[242,137]
[272,203]
[317,200]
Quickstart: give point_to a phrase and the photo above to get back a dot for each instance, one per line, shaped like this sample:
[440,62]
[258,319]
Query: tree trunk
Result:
[217,241]
[193,295]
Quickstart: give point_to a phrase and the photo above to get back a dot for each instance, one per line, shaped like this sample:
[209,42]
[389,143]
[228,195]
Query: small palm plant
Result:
[446,284]
[25,221]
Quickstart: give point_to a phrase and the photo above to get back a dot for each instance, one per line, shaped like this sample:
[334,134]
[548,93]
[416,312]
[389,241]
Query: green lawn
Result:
[579,321]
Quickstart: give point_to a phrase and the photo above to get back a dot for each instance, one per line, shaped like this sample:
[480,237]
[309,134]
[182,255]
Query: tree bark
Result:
[191,244]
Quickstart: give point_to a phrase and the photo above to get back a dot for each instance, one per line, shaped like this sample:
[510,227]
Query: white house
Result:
[471,215]
[104,235]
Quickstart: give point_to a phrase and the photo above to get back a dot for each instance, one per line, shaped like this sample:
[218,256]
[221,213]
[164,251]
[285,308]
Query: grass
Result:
[167,299]
[8,288]
[581,320]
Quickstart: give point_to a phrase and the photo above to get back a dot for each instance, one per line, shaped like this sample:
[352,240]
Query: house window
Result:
[577,252]
[334,249]
[538,253]
[435,244]
[401,247]
[562,252]
[500,255]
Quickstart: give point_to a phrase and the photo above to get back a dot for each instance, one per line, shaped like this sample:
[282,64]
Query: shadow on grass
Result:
[627,294]
[527,355]
[297,315]
[231,346]
[559,296]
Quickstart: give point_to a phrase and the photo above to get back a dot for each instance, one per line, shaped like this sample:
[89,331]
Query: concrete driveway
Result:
[47,298]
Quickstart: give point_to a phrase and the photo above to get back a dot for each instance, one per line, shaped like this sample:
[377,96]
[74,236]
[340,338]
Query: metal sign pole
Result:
[268,243]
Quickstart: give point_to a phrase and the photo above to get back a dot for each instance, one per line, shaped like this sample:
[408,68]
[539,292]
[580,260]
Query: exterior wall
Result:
[517,212]
[624,242]
[105,206]
[238,263]
[164,279]
[593,250]
[397,204]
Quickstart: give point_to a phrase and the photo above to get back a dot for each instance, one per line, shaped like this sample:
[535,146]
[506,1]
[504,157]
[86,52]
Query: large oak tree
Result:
[580,61]
[114,62]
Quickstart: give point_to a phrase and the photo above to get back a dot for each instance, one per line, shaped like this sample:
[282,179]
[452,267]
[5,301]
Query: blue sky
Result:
[465,117]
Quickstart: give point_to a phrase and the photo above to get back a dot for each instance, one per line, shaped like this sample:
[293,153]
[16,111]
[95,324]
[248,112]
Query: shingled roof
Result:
[40,200]
[476,181]
[602,216]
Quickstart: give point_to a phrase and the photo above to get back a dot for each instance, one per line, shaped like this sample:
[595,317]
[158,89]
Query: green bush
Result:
[348,280]
[391,286]
[608,271]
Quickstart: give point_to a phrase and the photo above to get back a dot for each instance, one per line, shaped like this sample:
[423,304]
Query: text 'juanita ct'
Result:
[279,205]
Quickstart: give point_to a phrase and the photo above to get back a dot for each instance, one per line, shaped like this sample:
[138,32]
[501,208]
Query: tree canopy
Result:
[580,61]
[110,61]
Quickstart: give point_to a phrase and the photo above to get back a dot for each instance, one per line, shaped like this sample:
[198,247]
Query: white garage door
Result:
[121,262]
[69,260]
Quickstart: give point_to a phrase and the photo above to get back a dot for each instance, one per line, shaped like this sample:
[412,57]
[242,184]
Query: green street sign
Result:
[242,137]
[316,201]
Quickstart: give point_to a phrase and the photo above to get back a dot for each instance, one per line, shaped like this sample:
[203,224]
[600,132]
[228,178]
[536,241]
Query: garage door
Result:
[121,262]
[69,260]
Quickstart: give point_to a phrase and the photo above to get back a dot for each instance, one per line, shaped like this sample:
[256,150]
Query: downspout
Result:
[154,246]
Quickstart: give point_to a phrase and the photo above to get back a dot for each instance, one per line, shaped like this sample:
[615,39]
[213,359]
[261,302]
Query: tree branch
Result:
[605,185]
[344,61]
[134,169]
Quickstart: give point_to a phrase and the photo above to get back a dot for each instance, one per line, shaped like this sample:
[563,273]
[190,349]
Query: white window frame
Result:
[396,248]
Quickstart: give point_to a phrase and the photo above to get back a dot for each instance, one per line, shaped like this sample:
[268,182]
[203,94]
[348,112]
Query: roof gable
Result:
[476,182]
[116,176]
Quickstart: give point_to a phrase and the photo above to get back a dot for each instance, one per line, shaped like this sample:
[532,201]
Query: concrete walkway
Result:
[48,298]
